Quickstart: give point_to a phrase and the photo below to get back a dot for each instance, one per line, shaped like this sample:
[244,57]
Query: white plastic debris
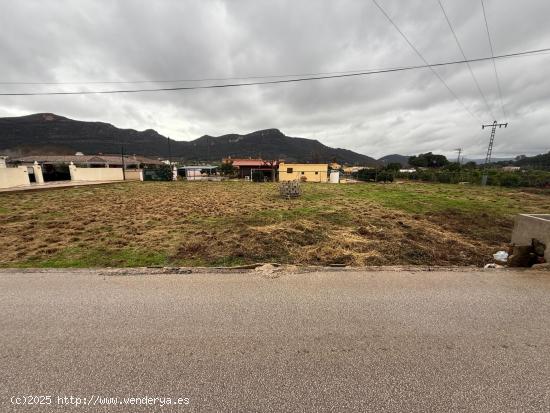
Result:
[501,256]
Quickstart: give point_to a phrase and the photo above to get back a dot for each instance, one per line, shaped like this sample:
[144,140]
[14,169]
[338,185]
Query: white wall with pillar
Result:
[38,176]
[14,177]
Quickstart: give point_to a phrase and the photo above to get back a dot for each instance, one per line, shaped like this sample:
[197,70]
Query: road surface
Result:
[262,341]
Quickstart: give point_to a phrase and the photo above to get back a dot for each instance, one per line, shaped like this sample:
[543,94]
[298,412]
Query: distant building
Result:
[57,167]
[90,161]
[197,172]
[348,170]
[511,168]
[310,172]
[246,167]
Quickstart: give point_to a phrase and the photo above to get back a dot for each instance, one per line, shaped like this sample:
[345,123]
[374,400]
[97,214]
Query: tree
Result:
[428,160]
[394,166]
[376,175]
[227,168]
[453,167]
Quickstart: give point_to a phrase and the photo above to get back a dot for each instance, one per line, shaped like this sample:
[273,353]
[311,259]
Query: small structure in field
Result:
[308,172]
[290,189]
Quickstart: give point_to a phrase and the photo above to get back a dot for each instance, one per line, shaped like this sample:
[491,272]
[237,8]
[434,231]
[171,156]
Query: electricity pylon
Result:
[459,150]
[490,148]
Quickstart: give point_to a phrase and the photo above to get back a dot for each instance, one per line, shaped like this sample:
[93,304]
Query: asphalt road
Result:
[326,341]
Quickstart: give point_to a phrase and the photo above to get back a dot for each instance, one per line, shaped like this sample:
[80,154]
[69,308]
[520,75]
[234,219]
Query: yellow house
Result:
[310,172]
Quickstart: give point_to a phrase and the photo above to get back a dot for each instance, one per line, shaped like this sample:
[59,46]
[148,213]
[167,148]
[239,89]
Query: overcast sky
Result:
[403,112]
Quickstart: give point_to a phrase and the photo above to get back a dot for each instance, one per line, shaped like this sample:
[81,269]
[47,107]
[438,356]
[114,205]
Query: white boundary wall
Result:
[13,177]
[95,174]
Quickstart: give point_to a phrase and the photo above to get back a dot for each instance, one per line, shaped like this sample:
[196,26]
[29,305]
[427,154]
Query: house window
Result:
[302,172]
[289,170]
[316,173]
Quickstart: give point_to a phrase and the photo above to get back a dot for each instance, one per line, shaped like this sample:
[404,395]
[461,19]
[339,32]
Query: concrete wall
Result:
[13,177]
[527,227]
[95,174]
[133,175]
[313,172]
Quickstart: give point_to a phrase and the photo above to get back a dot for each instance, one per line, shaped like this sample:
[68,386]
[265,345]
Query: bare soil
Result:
[235,223]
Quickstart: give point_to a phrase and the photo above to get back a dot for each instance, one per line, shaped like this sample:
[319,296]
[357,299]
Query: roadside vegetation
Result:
[429,167]
[234,223]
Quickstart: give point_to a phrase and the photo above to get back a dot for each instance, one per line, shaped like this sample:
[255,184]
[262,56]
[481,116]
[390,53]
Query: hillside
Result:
[272,144]
[395,158]
[46,133]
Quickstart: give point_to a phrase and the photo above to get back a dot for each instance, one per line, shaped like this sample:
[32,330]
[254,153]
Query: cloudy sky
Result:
[403,112]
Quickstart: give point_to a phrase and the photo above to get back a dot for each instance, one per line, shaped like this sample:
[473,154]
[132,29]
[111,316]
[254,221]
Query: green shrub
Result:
[157,173]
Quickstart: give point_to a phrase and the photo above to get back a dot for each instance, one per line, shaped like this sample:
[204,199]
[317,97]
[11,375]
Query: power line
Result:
[494,64]
[192,80]
[465,58]
[425,61]
[122,82]
[273,82]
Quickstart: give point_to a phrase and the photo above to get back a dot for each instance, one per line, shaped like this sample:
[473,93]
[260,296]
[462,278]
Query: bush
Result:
[365,174]
[510,180]
[495,177]
[384,176]
[158,173]
[374,175]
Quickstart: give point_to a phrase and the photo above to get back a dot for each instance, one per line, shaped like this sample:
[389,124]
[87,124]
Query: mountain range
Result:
[51,134]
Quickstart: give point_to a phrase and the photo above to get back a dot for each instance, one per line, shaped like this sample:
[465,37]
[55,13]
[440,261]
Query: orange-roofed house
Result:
[246,167]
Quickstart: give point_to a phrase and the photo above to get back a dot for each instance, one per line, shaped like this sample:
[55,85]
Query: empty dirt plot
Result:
[233,223]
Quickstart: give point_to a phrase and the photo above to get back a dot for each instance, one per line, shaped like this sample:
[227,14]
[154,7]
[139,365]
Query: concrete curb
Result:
[252,269]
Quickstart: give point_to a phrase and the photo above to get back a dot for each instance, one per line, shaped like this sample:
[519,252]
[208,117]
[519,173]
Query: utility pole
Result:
[122,161]
[169,152]
[459,152]
[490,148]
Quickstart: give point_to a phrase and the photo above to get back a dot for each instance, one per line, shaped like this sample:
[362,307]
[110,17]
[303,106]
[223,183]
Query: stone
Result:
[521,256]
[538,247]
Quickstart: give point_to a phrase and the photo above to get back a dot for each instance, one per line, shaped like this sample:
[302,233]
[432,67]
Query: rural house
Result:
[246,167]
[310,172]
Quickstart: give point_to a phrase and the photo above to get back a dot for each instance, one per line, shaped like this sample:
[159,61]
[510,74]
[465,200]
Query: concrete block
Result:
[532,226]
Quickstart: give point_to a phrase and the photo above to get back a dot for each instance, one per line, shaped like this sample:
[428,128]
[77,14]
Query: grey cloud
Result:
[406,112]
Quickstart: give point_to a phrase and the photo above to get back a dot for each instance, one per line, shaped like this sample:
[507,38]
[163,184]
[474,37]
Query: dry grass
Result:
[208,223]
